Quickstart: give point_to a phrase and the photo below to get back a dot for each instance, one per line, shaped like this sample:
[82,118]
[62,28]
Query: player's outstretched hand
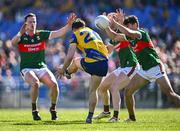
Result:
[120,16]
[110,17]
[71,19]
[59,72]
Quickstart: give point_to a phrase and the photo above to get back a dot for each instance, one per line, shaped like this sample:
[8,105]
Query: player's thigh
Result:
[48,79]
[165,84]
[107,81]
[77,63]
[135,83]
[120,82]
[31,78]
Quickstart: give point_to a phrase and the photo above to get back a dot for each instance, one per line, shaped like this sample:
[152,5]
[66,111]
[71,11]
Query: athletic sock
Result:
[90,115]
[53,107]
[34,106]
[106,108]
[132,117]
[116,113]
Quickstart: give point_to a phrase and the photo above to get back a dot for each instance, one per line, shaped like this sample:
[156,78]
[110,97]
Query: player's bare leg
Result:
[136,83]
[104,88]
[166,87]
[31,78]
[105,95]
[93,97]
[95,82]
[121,81]
[49,80]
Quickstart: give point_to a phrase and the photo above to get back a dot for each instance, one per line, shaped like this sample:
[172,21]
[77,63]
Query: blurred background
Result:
[160,17]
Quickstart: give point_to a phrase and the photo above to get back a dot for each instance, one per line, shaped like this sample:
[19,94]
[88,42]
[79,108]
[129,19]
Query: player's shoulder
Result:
[73,38]
[143,30]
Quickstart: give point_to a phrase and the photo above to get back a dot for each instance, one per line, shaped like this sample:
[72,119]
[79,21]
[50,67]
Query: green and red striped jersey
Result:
[126,55]
[144,50]
[32,49]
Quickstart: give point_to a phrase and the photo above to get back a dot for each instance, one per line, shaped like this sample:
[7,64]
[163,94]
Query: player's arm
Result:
[115,36]
[62,31]
[71,52]
[69,57]
[128,32]
[118,20]
[17,37]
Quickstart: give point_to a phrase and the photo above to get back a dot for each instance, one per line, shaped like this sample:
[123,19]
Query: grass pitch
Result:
[73,119]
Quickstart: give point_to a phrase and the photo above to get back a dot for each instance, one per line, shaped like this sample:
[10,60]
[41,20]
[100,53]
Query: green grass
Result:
[69,119]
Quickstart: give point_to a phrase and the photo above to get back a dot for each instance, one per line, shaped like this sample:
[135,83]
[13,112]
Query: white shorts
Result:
[153,73]
[129,71]
[39,72]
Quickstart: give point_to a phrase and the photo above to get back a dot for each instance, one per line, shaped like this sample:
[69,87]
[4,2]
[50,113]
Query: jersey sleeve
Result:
[44,34]
[73,39]
[144,35]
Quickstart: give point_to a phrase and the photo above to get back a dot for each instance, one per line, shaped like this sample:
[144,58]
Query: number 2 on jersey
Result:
[90,36]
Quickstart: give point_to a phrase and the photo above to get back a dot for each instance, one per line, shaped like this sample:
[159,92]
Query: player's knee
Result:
[54,85]
[113,90]
[102,90]
[36,84]
[92,90]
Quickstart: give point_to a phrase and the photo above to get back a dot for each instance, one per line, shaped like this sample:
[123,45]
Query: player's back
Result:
[91,44]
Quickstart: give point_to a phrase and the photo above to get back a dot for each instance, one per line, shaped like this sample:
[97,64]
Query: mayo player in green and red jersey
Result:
[120,77]
[31,45]
[117,80]
[152,68]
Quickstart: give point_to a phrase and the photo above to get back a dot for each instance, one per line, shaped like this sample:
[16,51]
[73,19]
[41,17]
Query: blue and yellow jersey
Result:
[90,43]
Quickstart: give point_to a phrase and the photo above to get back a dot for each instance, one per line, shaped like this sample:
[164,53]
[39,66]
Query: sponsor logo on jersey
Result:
[31,47]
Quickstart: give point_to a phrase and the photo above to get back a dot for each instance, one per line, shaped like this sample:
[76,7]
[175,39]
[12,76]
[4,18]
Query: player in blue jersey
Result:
[94,62]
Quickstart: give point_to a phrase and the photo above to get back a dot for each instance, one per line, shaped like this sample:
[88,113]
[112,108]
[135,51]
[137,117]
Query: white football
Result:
[101,22]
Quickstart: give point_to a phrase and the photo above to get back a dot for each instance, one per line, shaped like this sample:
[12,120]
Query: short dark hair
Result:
[29,15]
[78,23]
[132,19]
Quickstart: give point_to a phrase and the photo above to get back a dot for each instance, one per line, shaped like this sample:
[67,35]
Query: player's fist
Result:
[59,72]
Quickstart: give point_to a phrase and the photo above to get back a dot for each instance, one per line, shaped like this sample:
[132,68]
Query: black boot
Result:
[36,115]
